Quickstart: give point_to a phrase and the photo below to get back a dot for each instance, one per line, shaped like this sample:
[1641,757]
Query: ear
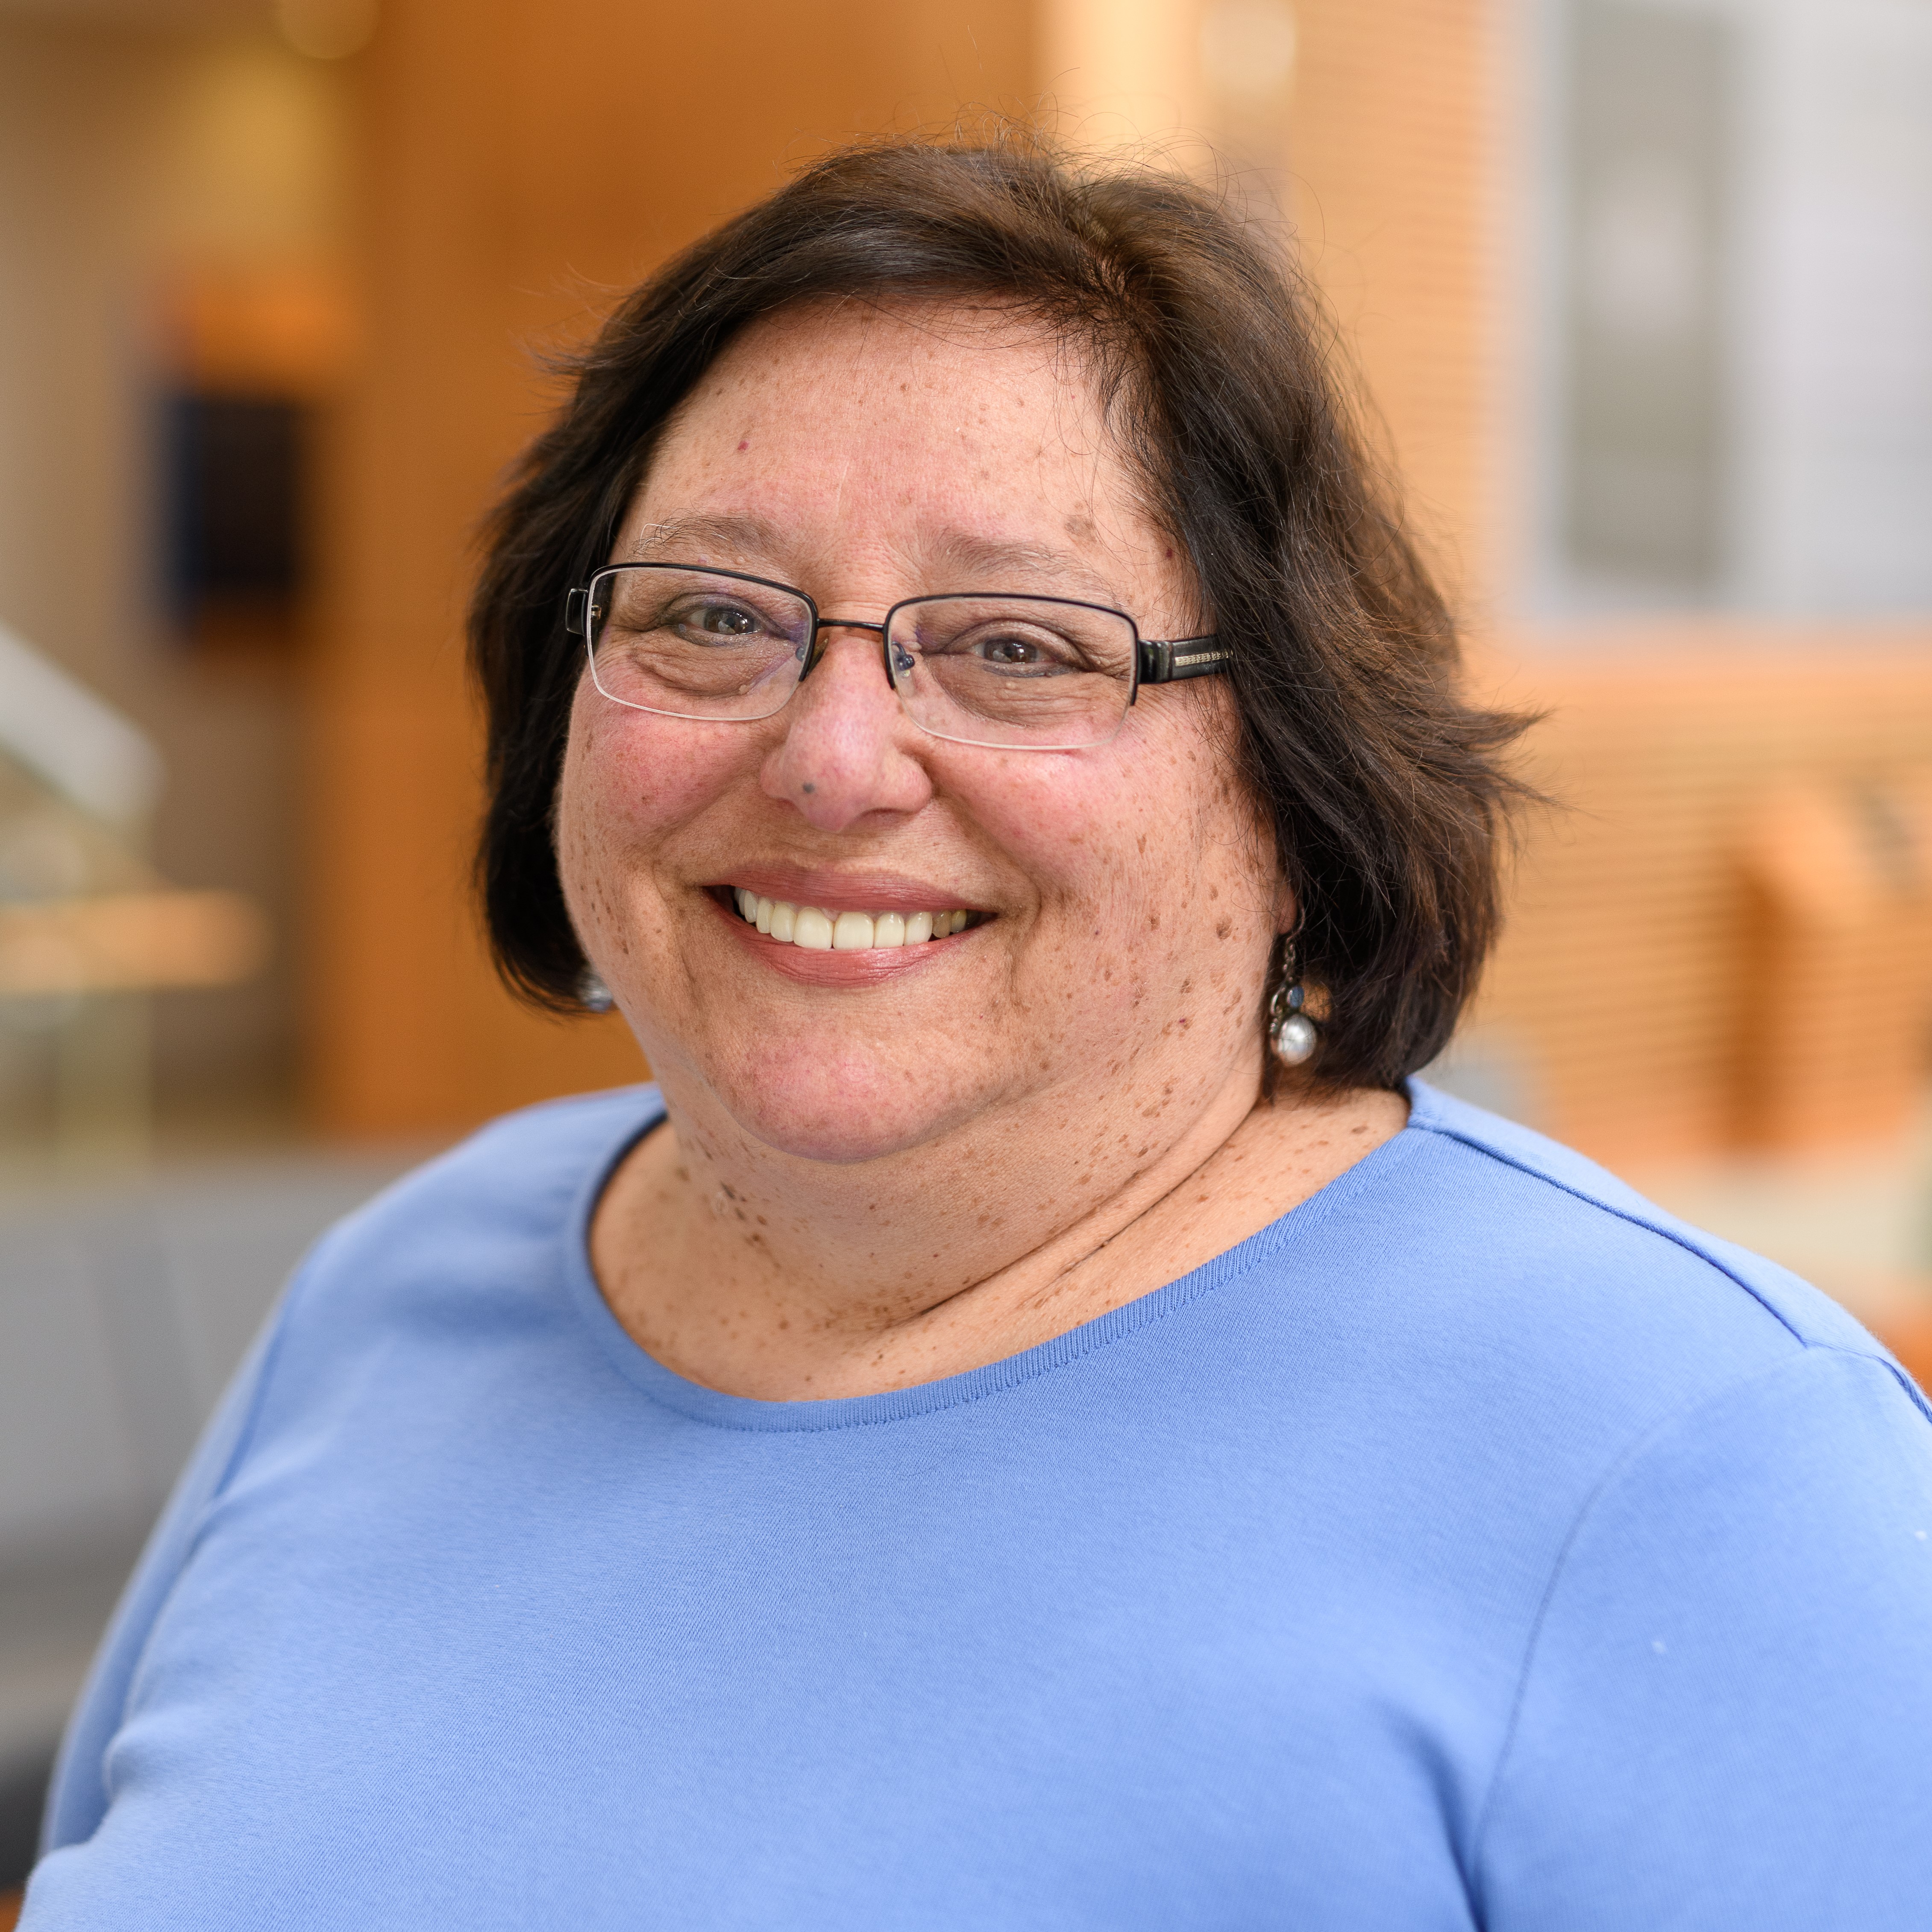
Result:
[1287,907]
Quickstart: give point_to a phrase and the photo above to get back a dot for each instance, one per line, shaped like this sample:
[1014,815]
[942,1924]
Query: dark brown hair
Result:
[1381,784]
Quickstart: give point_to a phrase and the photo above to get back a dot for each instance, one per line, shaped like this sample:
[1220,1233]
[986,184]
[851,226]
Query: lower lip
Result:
[811,966]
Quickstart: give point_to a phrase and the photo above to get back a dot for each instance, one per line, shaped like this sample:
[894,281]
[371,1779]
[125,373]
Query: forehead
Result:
[986,364]
[966,419]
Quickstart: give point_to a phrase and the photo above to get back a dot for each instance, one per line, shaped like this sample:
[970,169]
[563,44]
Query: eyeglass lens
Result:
[1034,674]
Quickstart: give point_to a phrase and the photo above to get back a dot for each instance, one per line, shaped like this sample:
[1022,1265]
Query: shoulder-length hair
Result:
[1382,785]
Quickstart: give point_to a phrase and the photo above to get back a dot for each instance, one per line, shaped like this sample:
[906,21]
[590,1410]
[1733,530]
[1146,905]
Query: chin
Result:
[845,1104]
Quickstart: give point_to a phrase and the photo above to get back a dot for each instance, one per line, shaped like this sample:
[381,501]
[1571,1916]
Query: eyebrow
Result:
[705,540]
[755,543]
[985,559]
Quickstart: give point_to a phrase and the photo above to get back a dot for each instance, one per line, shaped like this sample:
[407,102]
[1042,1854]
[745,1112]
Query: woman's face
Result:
[1124,895]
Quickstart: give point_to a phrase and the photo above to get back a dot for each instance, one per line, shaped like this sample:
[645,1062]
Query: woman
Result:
[1036,1419]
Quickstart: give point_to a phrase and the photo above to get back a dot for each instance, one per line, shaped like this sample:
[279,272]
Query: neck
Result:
[749,1270]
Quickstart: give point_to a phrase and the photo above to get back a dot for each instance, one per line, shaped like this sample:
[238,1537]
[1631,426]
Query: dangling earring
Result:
[592,995]
[1291,1032]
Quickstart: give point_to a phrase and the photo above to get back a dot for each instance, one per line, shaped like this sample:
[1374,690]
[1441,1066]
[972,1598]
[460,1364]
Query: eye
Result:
[723,620]
[1011,652]
[719,620]
[1023,650]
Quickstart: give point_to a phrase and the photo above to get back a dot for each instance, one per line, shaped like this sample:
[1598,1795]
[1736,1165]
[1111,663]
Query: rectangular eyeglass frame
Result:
[1167,660]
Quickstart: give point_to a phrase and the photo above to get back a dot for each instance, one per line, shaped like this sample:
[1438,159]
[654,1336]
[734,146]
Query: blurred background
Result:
[1642,295]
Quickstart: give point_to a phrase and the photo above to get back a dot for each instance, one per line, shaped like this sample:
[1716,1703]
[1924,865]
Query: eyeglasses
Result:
[1019,673]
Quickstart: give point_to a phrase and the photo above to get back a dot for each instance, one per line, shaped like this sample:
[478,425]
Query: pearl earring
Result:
[1291,1032]
[592,993]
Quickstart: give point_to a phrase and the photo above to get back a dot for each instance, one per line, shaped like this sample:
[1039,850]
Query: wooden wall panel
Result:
[524,163]
[1393,146]
[1632,981]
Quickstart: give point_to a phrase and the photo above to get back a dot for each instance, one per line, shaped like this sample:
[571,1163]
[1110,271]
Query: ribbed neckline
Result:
[749,1413]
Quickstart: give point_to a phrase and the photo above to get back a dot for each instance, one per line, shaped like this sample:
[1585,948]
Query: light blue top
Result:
[1474,1546]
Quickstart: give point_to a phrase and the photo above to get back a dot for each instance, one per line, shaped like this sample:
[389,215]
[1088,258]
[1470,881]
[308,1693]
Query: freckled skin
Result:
[894,1183]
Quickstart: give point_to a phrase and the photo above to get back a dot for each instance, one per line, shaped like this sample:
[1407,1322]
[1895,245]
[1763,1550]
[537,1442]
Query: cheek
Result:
[629,783]
[1153,862]
[630,779]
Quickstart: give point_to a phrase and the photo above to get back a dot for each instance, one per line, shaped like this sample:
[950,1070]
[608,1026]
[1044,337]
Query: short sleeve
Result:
[78,1796]
[1725,1717]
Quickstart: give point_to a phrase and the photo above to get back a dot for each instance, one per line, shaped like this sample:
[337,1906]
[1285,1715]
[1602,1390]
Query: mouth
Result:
[817,930]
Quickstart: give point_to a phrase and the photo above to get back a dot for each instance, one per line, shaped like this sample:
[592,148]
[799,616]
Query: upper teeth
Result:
[845,931]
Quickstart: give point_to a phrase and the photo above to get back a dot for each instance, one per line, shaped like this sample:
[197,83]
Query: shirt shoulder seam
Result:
[1875,1352]
[1632,1453]
[1635,1220]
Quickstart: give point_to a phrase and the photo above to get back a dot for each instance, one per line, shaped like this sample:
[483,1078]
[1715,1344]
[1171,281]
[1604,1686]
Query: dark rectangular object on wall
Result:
[233,513]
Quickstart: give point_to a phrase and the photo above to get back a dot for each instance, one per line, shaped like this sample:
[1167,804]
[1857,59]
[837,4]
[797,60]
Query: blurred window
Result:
[1649,150]
[1739,211]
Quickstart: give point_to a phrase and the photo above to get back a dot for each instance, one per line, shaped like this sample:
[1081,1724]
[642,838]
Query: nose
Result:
[849,750]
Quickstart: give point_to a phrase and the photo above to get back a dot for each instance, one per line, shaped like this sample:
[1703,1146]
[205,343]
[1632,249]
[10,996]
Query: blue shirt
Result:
[1473,1546]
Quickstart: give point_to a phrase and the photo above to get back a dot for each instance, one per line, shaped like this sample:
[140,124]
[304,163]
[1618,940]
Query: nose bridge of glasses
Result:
[820,625]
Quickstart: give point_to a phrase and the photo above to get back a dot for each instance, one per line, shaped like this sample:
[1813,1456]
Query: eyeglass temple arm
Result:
[1183,657]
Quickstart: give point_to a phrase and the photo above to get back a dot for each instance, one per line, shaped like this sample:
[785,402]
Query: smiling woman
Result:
[1038,1419]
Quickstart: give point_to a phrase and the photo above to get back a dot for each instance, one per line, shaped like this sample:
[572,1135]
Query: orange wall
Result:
[524,163]
[1393,148]
[1659,1010]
